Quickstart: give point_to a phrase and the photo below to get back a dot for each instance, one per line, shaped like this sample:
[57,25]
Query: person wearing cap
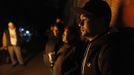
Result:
[96,16]
[11,41]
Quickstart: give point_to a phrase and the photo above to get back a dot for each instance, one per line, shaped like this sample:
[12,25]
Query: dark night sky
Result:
[38,12]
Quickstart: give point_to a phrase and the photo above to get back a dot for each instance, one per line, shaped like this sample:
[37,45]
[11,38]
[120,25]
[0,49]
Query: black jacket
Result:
[90,64]
[120,53]
[111,54]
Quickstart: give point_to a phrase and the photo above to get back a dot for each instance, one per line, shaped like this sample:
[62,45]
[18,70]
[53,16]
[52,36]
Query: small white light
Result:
[27,32]
[21,29]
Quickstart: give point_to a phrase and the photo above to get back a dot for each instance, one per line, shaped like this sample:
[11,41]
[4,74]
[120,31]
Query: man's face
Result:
[11,25]
[85,27]
[64,36]
[55,31]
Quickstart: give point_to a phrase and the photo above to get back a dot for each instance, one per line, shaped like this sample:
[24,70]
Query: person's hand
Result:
[51,56]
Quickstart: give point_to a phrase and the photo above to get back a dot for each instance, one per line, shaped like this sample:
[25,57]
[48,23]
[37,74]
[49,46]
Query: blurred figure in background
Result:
[66,59]
[12,41]
[60,23]
[53,44]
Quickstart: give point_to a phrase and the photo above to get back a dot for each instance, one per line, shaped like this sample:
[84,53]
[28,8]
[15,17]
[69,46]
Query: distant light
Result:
[21,29]
[27,32]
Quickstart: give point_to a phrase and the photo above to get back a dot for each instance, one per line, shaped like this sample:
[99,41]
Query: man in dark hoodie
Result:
[107,53]
[96,16]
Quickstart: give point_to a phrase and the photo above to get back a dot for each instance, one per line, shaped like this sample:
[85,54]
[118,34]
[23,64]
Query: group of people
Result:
[91,47]
[88,48]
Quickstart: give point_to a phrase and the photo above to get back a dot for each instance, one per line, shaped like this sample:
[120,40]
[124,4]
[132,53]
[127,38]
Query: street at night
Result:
[35,66]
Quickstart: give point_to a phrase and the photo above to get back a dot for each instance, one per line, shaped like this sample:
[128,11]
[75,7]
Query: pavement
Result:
[35,66]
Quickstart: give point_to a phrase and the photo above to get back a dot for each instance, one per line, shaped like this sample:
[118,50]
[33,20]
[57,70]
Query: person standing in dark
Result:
[12,42]
[65,63]
[95,30]
[52,45]
[107,53]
